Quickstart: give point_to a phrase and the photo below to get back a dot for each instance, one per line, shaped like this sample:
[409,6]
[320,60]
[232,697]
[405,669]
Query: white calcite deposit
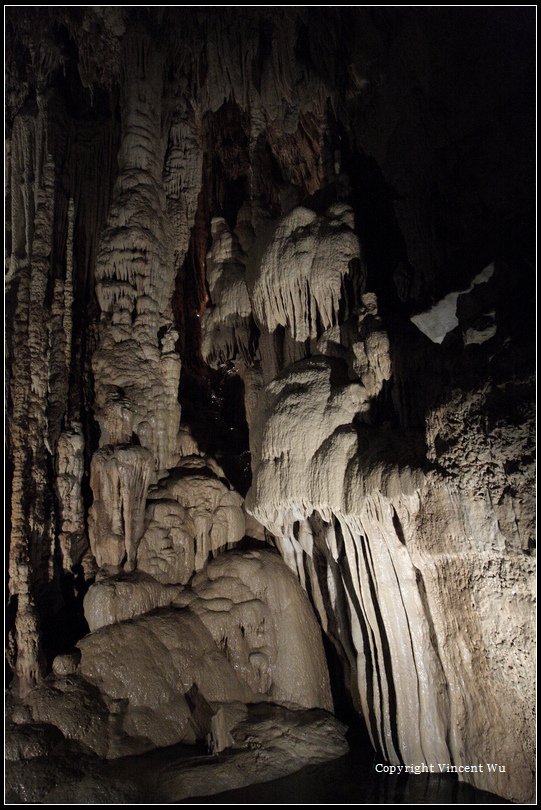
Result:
[191,515]
[119,478]
[135,271]
[255,611]
[244,633]
[441,318]
[301,274]
[241,211]
[118,598]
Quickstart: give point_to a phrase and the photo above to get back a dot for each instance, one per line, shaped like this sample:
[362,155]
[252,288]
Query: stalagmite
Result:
[191,515]
[270,388]
[266,625]
[32,180]
[135,269]
[245,633]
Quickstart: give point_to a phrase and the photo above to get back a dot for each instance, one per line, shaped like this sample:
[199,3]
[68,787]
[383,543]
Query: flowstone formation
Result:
[270,379]
[165,665]
[242,633]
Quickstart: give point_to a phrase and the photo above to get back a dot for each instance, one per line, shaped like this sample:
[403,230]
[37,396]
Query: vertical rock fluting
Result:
[119,480]
[136,367]
[69,477]
[395,474]
[352,507]
[135,268]
[31,555]
[55,206]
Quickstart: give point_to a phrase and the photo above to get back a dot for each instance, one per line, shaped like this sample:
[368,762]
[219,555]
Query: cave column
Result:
[136,366]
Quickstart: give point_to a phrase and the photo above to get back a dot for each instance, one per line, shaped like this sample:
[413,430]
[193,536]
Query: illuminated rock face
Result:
[302,271]
[256,610]
[262,221]
[399,546]
[243,633]
[119,479]
[135,272]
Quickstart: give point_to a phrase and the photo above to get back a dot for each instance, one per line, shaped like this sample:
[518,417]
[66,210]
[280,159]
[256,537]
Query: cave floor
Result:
[352,780]
[70,774]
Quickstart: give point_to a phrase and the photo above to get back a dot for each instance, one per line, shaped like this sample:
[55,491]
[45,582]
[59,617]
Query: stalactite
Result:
[300,277]
[135,268]
[268,212]
[120,477]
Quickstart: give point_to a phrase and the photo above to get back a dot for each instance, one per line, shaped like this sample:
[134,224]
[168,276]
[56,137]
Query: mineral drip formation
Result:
[270,395]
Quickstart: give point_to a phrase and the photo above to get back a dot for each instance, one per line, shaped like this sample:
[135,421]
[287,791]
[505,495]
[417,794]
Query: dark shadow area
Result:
[64,629]
[212,404]
[351,779]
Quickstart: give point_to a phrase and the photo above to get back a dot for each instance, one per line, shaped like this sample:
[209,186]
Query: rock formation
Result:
[244,632]
[270,377]
[119,480]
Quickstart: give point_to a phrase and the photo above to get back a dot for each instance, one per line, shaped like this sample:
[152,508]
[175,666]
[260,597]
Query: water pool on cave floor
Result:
[352,780]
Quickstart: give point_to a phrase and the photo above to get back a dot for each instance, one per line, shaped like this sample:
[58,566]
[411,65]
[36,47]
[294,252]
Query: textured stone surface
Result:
[285,739]
[30,741]
[250,213]
[119,479]
[302,271]
[75,708]
[67,663]
[116,599]
[253,608]
[439,546]
[135,271]
[244,632]
[225,323]
[147,665]
[191,514]
[70,470]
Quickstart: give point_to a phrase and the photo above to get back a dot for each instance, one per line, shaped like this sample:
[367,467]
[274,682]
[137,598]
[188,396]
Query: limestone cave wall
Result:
[270,287]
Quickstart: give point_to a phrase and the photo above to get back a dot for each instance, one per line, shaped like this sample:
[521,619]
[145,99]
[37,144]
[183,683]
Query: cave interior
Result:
[270,403]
